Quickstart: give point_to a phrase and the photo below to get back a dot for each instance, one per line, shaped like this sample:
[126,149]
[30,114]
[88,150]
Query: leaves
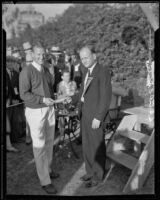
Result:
[104,25]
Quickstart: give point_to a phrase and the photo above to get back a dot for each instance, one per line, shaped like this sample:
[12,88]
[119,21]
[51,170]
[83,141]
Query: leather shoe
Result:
[85,177]
[91,183]
[54,175]
[50,189]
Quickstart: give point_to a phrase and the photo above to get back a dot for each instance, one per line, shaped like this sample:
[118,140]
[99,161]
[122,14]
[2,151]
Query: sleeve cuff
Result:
[41,100]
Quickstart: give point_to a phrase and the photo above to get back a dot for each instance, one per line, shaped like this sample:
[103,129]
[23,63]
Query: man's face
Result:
[38,55]
[73,57]
[57,57]
[66,77]
[87,57]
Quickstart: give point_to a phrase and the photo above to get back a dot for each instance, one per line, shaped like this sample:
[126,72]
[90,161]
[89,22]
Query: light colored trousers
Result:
[42,126]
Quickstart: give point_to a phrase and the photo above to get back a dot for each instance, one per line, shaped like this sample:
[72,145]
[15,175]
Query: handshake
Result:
[51,102]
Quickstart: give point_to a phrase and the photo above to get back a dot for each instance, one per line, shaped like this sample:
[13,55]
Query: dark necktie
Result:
[85,85]
[89,75]
[88,79]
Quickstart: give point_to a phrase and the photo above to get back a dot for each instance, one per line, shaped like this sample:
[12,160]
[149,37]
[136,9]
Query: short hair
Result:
[91,47]
[65,70]
[38,46]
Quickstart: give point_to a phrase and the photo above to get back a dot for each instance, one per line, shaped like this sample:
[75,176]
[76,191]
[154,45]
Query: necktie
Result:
[85,85]
[88,78]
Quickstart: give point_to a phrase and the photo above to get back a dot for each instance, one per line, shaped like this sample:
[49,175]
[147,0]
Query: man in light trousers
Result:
[36,85]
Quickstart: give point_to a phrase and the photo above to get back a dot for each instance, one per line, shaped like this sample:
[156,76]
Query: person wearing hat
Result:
[56,53]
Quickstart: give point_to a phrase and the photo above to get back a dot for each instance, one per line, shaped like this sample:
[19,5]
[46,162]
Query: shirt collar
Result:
[91,68]
[37,66]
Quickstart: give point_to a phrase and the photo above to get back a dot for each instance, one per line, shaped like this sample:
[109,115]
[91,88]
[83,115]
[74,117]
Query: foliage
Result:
[104,26]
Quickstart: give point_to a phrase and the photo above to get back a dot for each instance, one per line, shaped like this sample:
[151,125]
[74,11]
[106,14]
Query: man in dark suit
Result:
[95,97]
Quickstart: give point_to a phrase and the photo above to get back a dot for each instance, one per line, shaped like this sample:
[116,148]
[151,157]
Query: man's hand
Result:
[48,101]
[8,103]
[15,101]
[68,100]
[95,123]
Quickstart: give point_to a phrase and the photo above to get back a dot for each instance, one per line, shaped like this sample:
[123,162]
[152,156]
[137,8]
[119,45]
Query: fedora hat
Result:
[55,50]
[27,46]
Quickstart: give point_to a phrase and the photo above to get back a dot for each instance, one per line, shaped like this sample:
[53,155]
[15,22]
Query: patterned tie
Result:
[88,78]
[86,84]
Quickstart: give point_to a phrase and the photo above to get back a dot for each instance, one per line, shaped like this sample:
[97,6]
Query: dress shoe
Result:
[86,177]
[12,149]
[91,183]
[54,175]
[50,189]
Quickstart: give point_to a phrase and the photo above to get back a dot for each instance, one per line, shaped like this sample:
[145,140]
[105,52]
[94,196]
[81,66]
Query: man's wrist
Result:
[44,99]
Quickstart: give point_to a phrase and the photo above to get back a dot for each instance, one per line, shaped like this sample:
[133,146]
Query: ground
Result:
[22,178]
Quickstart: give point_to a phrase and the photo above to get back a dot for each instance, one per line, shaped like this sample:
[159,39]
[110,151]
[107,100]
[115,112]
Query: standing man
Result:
[35,83]
[95,97]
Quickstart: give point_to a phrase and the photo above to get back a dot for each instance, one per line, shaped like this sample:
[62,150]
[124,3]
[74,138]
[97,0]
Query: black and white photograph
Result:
[79,86]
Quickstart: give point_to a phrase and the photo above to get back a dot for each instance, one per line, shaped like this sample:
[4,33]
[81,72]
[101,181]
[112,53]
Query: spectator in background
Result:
[28,52]
[77,74]
[68,63]
[50,61]
[78,68]
[28,60]
[9,94]
[66,88]
[9,51]
[55,51]
[16,113]
[36,85]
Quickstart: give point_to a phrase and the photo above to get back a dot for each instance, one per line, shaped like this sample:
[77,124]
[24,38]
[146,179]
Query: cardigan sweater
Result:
[35,85]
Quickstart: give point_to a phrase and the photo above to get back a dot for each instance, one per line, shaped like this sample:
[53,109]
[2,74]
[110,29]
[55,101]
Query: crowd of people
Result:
[44,79]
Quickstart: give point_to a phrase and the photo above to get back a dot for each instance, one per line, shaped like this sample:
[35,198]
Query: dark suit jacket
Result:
[98,94]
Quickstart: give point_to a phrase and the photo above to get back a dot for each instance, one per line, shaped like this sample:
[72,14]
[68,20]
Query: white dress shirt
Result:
[37,66]
[85,81]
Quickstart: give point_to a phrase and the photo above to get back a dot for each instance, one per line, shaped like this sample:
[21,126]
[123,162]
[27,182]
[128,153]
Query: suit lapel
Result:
[93,75]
